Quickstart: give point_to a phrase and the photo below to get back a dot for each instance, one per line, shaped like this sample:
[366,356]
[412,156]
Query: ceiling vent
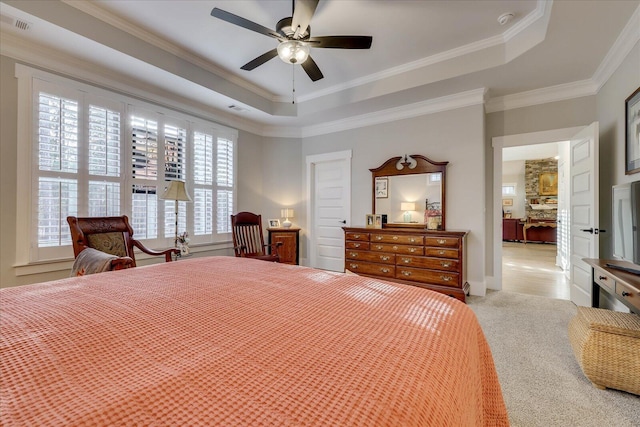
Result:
[15,22]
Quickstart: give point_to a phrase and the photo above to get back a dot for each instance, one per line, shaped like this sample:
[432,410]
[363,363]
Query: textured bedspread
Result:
[227,341]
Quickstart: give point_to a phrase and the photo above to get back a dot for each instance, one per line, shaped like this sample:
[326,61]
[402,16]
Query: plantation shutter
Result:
[224,169]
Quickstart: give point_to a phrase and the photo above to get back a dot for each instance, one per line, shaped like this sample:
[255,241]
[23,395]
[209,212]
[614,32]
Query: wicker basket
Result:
[607,346]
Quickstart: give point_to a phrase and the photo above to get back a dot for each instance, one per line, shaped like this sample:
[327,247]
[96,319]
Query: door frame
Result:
[515,140]
[311,162]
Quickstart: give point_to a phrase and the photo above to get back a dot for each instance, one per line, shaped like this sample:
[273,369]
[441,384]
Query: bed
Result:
[235,341]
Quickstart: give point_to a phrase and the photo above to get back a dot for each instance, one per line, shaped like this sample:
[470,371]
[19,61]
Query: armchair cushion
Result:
[111,243]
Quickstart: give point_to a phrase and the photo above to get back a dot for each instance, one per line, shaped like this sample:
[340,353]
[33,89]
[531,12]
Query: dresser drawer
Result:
[357,245]
[397,238]
[427,276]
[350,235]
[431,263]
[629,293]
[383,257]
[604,279]
[398,249]
[444,242]
[441,252]
[382,270]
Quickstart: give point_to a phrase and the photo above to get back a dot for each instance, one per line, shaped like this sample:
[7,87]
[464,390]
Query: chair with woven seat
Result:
[111,235]
[248,241]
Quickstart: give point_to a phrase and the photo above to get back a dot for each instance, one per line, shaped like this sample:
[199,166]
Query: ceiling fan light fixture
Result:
[293,51]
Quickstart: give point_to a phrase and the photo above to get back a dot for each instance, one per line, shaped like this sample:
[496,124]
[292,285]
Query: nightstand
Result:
[290,238]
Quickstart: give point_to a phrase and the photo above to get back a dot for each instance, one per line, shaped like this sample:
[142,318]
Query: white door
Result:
[583,214]
[329,208]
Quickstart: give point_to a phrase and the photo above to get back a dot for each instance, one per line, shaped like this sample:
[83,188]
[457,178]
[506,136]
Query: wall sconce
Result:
[407,207]
[286,213]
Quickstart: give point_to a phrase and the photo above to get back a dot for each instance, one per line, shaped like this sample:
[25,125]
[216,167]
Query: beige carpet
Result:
[541,381]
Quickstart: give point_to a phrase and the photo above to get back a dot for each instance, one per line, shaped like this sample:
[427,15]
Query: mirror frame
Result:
[423,165]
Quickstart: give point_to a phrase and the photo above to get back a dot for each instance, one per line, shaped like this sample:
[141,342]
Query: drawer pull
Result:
[445,264]
[395,248]
[353,254]
[378,237]
[353,266]
[446,278]
[356,236]
[441,252]
[384,270]
[626,294]
[406,273]
[379,247]
[406,260]
[412,250]
[412,240]
[395,237]
[357,245]
[441,241]
[602,277]
[384,257]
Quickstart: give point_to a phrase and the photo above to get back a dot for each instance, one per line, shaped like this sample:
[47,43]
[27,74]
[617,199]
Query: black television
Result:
[626,224]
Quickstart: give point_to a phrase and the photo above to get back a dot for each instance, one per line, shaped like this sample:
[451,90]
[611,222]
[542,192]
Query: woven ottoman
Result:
[607,346]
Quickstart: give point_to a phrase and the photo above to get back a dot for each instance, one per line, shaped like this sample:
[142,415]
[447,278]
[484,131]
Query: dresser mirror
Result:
[410,191]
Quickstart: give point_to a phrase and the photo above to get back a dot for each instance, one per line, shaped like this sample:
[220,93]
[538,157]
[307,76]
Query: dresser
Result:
[290,239]
[622,285]
[430,259]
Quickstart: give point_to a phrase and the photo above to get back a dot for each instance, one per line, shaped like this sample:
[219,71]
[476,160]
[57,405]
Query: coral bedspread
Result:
[234,341]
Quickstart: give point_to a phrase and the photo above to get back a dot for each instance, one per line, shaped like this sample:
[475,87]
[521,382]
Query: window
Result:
[508,189]
[97,153]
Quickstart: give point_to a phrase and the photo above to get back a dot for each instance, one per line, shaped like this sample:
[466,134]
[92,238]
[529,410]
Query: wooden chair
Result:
[248,241]
[112,235]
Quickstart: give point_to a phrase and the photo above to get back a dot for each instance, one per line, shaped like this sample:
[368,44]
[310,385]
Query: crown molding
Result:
[93,9]
[69,66]
[542,10]
[542,96]
[431,106]
[628,38]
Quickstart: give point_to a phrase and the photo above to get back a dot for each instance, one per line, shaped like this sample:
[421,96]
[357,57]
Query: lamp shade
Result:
[407,206]
[176,191]
[286,213]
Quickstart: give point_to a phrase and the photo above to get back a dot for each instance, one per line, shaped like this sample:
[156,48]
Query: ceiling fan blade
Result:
[341,42]
[260,60]
[312,70]
[302,14]
[242,22]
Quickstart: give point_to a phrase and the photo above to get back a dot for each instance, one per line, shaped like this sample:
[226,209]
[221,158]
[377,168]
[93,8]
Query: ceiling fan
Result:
[294,35]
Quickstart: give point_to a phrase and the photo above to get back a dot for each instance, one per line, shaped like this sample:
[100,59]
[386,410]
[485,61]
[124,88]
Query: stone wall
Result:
[532,171]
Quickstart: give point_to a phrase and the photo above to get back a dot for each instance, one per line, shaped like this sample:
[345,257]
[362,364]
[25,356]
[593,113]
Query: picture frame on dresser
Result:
[274,223]
[632,133]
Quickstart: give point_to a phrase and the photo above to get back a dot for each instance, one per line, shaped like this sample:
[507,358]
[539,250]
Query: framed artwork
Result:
[632,134]
[274,223]
[507,202]
[377,221]
[382,186]
[548,184]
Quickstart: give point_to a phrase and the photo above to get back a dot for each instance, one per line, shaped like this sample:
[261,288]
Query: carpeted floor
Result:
[541,381]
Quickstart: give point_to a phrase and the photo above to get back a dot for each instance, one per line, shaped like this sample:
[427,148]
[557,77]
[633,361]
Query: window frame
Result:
[30,80]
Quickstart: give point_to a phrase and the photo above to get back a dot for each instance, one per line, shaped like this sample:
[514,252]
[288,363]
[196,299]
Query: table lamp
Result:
[286,213]
[407,207]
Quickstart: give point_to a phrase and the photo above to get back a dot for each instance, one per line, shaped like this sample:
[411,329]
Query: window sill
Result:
[62,264]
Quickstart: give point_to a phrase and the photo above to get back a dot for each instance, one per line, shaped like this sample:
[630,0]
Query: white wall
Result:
[440,137]
[513,173]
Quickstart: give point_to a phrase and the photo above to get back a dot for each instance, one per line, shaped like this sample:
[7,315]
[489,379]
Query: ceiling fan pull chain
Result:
[293,83]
